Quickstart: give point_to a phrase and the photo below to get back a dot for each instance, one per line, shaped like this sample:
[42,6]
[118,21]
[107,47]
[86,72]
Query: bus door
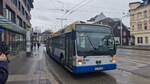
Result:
[68,51]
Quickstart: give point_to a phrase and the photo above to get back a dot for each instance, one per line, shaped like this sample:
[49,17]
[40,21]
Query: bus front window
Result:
[94,43]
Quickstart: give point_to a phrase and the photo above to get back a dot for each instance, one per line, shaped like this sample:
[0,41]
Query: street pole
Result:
[121,28]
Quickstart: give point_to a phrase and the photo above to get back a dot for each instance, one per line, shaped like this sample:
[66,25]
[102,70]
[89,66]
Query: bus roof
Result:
[72,27]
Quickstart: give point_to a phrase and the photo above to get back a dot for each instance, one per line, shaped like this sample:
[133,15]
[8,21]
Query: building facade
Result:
[140,22]
[115,24]
[14,22]
[46,35]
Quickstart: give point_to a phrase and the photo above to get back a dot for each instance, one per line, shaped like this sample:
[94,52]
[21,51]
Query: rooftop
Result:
[142,3]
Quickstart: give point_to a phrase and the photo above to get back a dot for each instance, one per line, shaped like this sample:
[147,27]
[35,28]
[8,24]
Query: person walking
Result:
[38,45]
[31,46]
[34,44]
[3,63]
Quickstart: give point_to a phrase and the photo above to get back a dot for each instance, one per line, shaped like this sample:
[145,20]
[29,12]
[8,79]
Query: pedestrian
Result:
[34,44]
[38,45]
[3,62]
[31,46]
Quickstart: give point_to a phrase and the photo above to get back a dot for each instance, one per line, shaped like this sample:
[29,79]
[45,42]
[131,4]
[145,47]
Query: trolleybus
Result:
[83,48]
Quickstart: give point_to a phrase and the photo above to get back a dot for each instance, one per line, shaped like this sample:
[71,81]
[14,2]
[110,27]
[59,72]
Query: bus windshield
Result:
[94,40]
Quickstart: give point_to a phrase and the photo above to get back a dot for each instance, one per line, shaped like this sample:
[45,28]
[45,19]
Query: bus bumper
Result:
[87,69]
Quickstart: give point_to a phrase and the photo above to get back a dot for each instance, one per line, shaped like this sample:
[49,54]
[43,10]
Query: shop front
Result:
[13,35]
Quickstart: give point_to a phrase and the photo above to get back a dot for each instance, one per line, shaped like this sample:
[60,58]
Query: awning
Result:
[8,25]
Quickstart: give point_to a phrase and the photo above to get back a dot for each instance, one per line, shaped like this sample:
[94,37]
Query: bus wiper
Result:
[91,42]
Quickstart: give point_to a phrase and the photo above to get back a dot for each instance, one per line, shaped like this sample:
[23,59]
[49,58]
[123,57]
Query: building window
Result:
[26,15]
[132,16]
[28,7]
[19,6]
[25,2]
[139,26]
[124,33]
[139,15]
[10,15]
[146,40]
[23,11]
[145,25]
[145,14]
[13,17]
[140,40]
[24,25]
[19,21]
[15,2]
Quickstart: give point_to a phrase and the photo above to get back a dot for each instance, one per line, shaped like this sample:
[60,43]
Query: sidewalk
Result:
[147,48]
[29,70]
[14,56]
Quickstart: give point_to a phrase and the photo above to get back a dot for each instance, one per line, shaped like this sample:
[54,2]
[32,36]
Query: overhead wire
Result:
[79,7]
[75,6]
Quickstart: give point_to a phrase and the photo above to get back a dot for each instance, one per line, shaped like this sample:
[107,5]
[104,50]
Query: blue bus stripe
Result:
[86,69]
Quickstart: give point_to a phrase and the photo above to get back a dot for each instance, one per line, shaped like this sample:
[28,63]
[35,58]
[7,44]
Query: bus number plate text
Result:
[98,68]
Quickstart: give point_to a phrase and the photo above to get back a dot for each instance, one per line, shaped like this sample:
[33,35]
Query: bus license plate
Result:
[98,68]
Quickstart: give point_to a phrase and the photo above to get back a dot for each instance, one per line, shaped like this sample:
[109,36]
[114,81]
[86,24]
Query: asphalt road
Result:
[133,68]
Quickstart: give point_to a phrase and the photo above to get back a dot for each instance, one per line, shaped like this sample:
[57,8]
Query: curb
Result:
[146,49]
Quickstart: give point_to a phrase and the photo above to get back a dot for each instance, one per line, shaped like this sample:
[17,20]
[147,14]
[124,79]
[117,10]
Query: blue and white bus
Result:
[83,48]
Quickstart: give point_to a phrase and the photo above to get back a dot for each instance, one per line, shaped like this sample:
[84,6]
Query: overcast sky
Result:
[45,12]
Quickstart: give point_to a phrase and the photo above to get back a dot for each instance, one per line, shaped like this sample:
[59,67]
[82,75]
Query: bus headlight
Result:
[80,62]
[114,59]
